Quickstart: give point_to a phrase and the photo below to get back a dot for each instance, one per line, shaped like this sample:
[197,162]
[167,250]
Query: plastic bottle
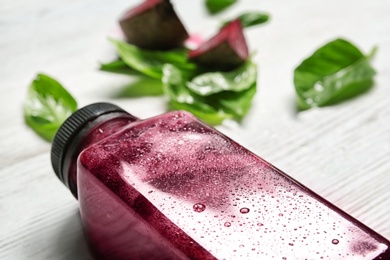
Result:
[172,187]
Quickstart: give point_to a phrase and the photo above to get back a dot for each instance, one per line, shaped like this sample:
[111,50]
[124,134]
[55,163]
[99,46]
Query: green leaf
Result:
[238,103]
[335,72]
[202,111]
[47,106]
[149,62]
[143,86]
[118,66]
[174,85]
[250,19]
[214,82]
[216,6]
[181,98]
[215,106]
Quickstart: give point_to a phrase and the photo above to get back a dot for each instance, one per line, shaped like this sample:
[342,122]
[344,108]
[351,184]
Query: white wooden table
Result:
[341,152]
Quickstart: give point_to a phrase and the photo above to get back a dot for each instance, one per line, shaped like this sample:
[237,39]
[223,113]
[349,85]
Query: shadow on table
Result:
[71,243]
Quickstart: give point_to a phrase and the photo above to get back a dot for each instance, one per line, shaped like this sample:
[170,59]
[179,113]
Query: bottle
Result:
[172,187]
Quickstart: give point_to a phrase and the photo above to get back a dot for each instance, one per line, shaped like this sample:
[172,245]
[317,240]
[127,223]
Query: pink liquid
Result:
[171,187]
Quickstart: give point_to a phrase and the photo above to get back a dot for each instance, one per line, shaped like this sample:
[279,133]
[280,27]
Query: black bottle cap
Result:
[71,128]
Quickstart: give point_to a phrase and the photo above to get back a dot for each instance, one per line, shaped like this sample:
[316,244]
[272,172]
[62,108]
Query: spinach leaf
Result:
[212,96]
[216,104]
[204,112]
[47,106]
[118,66]
[181,98]
[335,72]
[149,62]
[237,103]
[214,82]
[250,19]
[216,6]
[142,86]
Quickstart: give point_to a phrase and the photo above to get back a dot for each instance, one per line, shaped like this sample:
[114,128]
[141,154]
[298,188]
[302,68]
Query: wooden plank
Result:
[341,152]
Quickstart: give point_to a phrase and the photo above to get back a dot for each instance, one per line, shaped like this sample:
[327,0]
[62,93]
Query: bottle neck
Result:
[95,131]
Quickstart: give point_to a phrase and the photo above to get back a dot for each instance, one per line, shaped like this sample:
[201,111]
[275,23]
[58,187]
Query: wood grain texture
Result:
[341,152]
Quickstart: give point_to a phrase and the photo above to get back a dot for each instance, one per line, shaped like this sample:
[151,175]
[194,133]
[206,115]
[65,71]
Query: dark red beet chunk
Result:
[153,25]
[224,51]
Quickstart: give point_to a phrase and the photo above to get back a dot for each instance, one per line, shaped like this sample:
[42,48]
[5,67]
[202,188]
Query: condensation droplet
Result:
[244,210]
[335,241]
[227,224]
[199,207]
[260,224]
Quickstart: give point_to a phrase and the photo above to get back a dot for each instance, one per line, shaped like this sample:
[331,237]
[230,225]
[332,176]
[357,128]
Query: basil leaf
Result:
[335,72]
[149,62]
[181,98]
[138,88]
[118,66]
[250,19]
[174,85]
[214,107]
[215,82]
[47,106]
[215,6]
[202,111]
[237,103]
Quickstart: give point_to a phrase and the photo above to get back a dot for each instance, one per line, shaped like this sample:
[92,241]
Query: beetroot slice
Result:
[153,25]
[225,51]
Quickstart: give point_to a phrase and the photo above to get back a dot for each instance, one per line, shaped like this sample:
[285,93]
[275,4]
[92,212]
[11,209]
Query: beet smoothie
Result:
[172,187]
